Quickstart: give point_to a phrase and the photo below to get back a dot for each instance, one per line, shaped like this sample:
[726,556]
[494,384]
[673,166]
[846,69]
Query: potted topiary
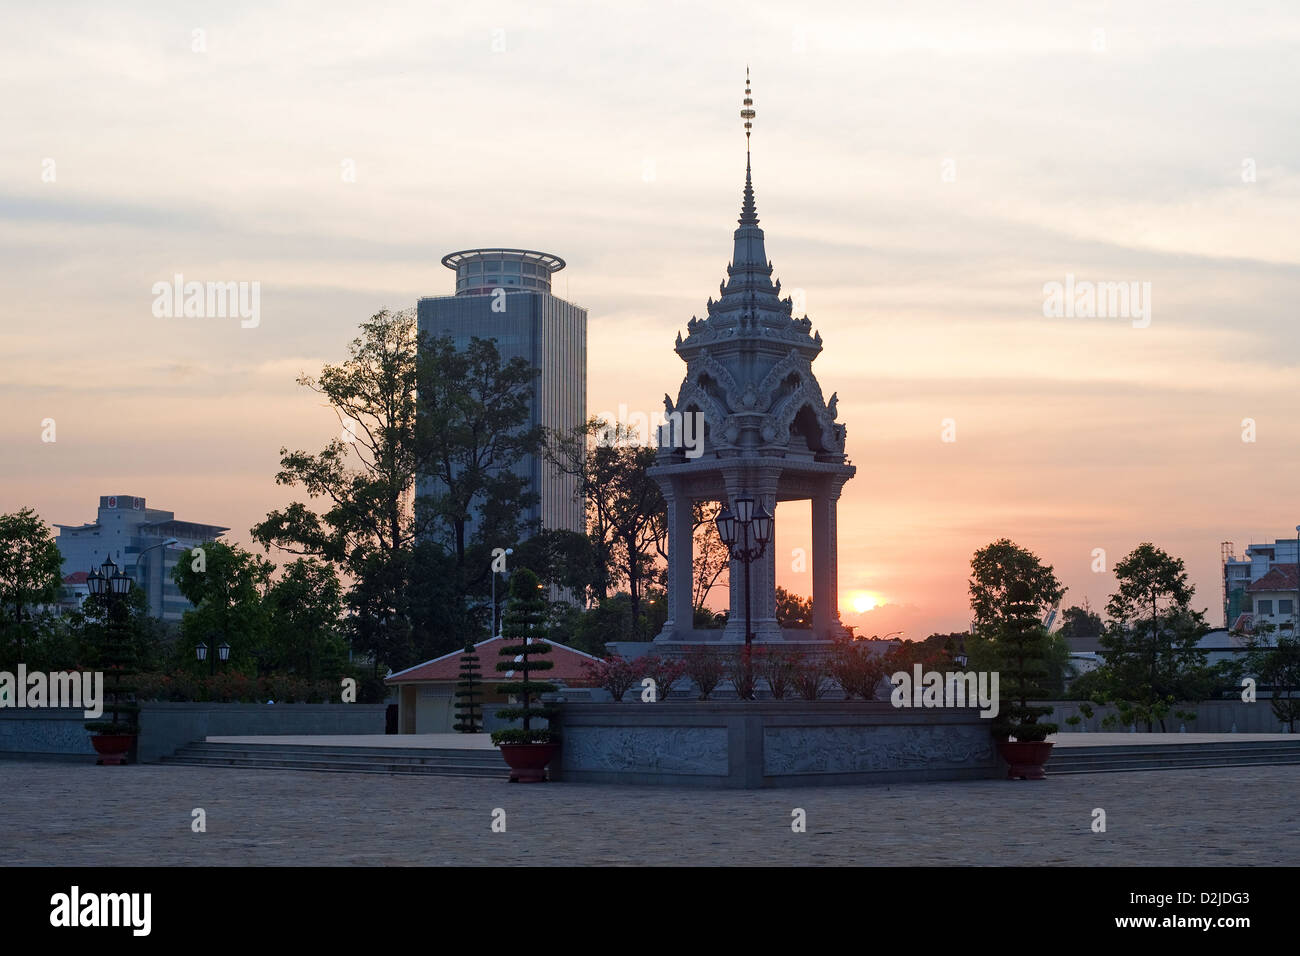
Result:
[1022,644]
[115,734]
[469,717]
[527,749]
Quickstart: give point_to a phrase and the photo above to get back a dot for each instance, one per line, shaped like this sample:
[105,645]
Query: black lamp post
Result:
[746,534]
[961,659]
[109,581]
[223,651]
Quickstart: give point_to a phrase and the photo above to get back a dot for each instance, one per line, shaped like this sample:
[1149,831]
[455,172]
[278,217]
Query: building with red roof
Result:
[426,692]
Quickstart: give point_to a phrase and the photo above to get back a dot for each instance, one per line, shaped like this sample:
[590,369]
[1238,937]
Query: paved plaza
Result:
[79,814]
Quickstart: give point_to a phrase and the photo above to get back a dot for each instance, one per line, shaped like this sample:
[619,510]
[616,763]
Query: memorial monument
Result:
[769,437]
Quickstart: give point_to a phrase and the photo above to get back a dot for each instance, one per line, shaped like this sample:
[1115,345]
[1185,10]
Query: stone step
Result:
[477,757]
[437,761]
[206,745]
[1168,762]
[324,764]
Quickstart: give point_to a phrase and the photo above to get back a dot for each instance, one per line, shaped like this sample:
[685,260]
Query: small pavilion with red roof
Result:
[426,698]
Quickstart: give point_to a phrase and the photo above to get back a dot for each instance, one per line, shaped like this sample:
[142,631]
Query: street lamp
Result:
[108,580]
[495,629]
[223,652]
[960,659]
[746,533]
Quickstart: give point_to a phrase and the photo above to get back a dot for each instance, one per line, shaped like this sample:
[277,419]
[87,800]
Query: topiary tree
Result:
[1023,645]
[469,716]
[116,657]
[524,623]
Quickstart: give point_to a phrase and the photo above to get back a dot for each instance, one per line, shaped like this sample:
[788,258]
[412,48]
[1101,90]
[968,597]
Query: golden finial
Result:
[747,114]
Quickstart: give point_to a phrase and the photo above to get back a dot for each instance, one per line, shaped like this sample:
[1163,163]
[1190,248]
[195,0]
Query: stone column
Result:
[763,571]
[681,551]
[826,611]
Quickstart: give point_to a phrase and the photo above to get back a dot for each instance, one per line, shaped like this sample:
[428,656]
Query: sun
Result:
[864,602]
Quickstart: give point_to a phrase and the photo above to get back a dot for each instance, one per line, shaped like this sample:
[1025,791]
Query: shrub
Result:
[777,667]
[740,670]
[705,667]
[615,674]
[858,670]
[810,677]
[664,671]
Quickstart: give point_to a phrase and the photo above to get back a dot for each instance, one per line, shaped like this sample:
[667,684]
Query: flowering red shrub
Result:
[615,674]
[664,671]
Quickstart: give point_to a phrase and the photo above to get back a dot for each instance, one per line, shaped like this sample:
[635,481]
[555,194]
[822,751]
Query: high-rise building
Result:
[145,543]
[505,294]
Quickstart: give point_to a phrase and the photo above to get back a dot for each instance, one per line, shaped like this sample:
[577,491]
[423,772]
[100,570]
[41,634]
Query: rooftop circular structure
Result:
[480,271]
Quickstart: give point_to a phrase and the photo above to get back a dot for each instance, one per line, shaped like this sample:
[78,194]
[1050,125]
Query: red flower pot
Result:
[112,748]
[528,761]
[1025,758]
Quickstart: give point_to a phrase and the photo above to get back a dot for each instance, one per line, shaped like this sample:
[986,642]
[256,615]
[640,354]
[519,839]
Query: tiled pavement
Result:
[78,815]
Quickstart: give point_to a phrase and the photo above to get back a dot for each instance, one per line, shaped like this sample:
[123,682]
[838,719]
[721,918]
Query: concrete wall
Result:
[54,733]
[165,727]
[1212,717]
[751,744]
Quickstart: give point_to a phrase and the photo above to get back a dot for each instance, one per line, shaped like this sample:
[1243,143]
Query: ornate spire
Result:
[748,212]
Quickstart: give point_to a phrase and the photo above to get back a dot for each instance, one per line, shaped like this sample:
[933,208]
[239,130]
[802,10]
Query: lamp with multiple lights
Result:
[108,580]
[746,532]
[223,653]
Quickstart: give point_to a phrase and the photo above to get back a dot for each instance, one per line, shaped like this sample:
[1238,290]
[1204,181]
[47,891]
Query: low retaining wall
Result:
[54,733]
[58,733]
[1212,717]
[752,744]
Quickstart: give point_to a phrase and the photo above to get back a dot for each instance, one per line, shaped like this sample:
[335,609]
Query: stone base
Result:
[754,744]
[789,638]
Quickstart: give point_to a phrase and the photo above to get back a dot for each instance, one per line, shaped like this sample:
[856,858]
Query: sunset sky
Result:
[921,171]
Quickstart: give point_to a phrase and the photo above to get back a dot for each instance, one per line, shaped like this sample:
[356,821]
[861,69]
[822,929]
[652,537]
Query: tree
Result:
[710,554]
[999,569]
[366,522]
[31,572]
[1081,622]
[793,611]
[228,589]
[626,512]
[1150,646]
[304,611]
[1023,646]
[1277,667]
[91,627]
[115,655]
[469,717]
[524,621]
[474,414]
[561,559]
[408,406]
[1011,591]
